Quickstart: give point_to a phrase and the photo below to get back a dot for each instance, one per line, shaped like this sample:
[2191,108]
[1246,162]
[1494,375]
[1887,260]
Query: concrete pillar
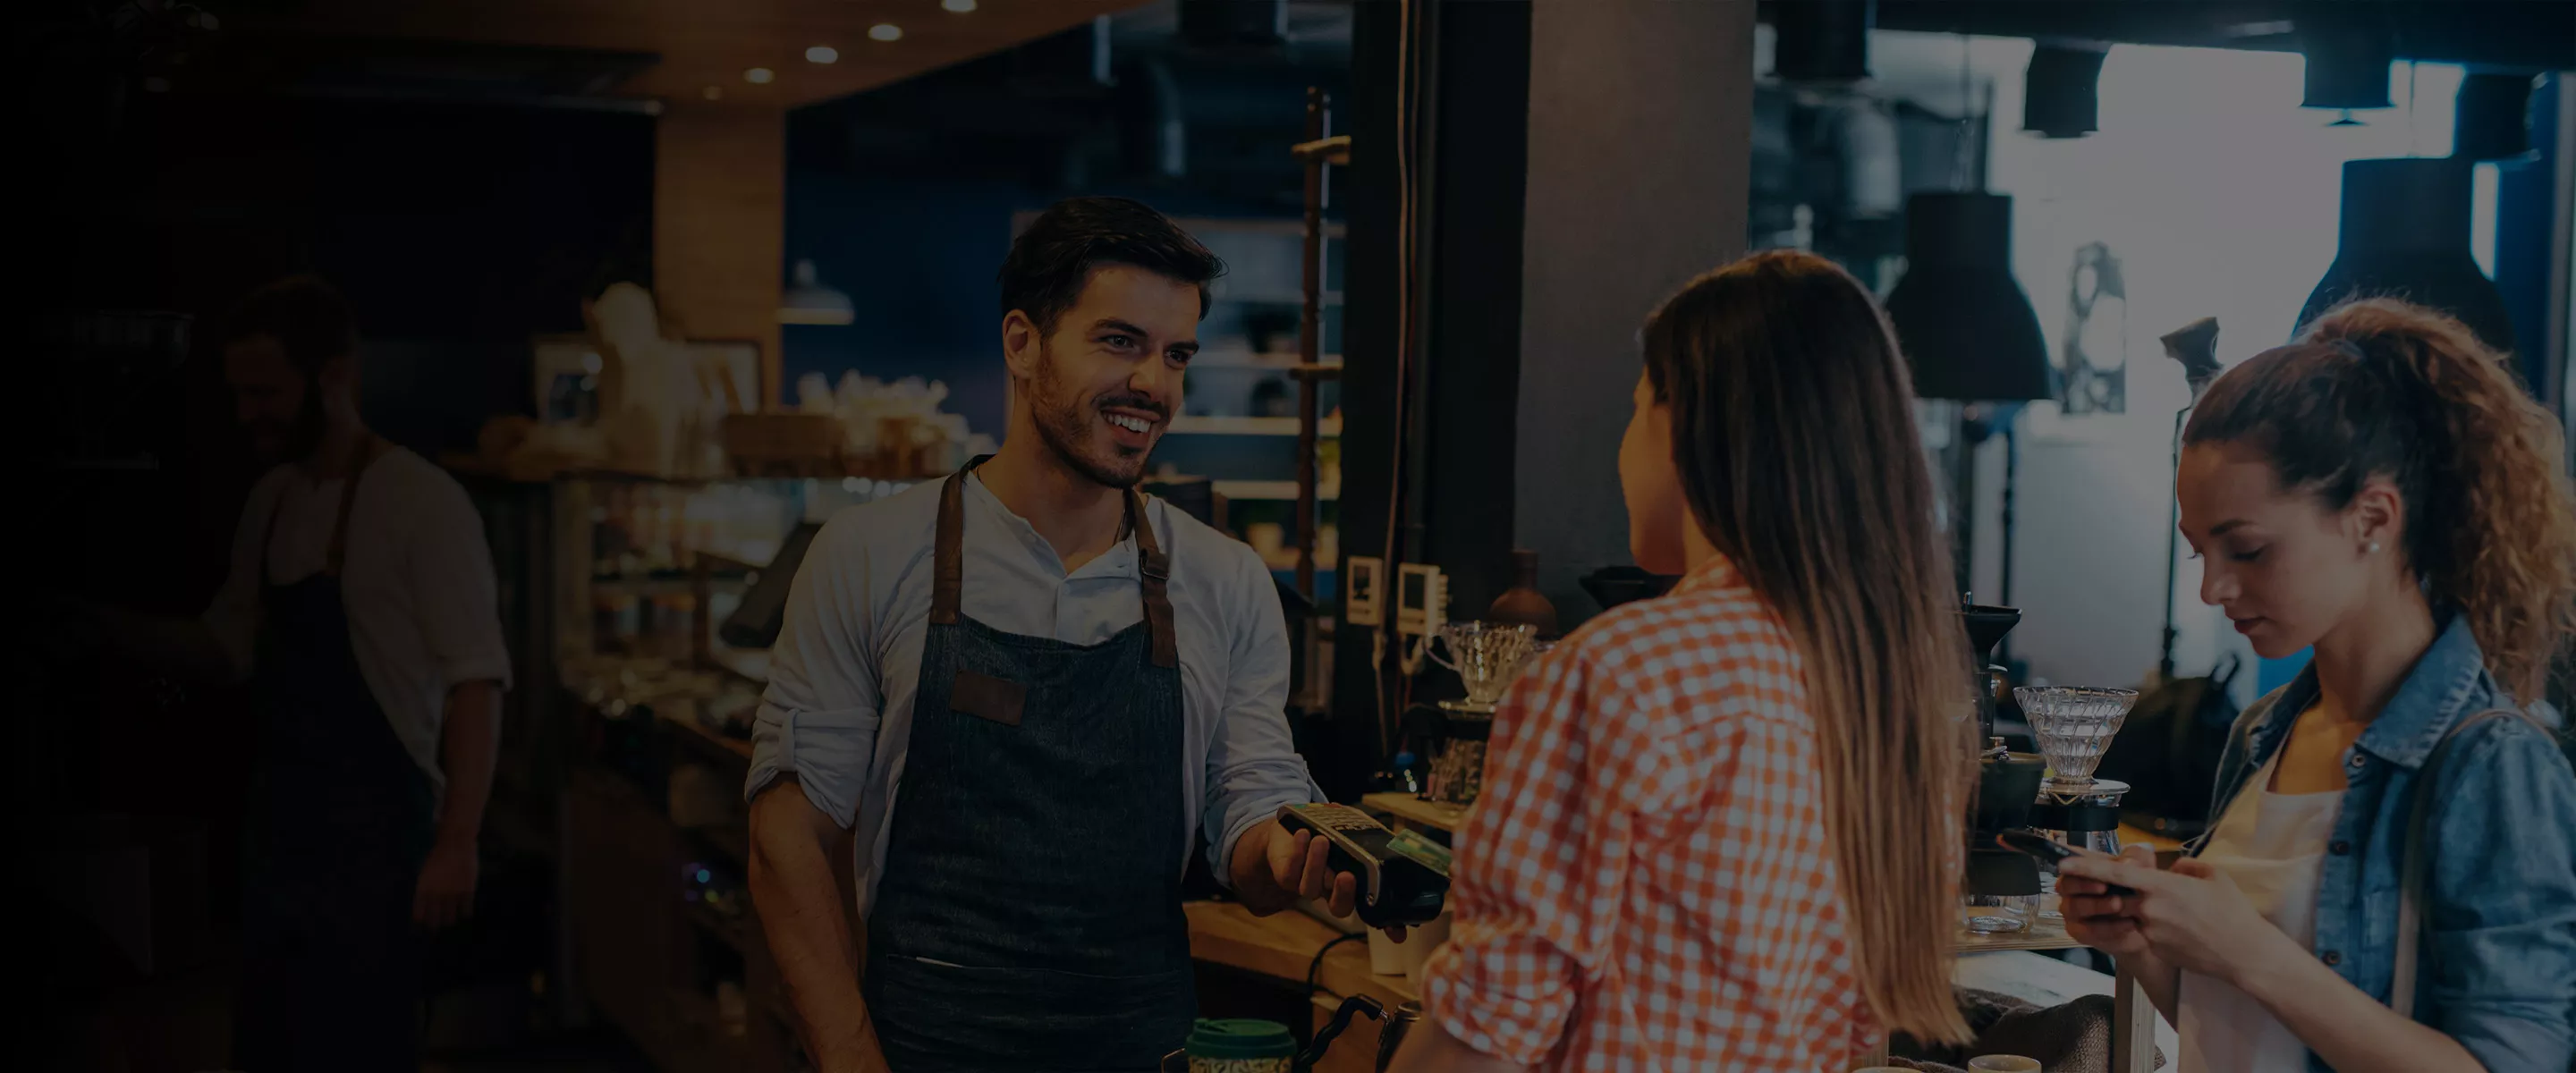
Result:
[719,225]
[1640,129]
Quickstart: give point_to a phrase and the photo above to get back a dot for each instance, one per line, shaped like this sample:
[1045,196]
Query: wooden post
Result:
[2133,1026]
[719,226]
[1310,334]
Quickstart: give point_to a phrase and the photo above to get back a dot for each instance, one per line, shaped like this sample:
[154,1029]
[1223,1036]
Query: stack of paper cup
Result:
[1390,958]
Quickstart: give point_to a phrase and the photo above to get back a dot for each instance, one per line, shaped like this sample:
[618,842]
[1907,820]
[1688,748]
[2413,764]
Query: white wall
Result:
[2219,195]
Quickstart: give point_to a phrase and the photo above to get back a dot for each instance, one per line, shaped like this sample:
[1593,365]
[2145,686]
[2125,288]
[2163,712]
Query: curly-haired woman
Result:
[2383,492]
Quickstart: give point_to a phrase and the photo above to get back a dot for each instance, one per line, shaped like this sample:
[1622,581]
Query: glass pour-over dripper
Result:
[2074,725]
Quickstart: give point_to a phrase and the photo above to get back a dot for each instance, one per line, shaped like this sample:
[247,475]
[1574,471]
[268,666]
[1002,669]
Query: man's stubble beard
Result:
[298,438]
[1063,426]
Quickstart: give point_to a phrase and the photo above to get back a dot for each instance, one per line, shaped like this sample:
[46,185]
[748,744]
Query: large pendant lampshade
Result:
[2405,234]
[1965,324]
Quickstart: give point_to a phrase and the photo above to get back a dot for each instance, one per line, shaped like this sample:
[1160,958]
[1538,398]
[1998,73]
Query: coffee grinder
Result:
[1999,886]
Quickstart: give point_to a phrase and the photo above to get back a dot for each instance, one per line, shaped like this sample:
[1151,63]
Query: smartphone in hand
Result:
[2049,850]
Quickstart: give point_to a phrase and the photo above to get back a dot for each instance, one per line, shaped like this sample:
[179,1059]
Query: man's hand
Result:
[1272,869]
[445,893]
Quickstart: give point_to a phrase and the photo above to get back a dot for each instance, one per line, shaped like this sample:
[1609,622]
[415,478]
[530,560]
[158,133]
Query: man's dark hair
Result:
[304,314]
[1051,262]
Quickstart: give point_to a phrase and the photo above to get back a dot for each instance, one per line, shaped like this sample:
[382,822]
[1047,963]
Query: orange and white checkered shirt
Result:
[1646,883]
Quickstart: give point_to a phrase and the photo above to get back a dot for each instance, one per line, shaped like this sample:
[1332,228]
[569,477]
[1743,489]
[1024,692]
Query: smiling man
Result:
[1025,690]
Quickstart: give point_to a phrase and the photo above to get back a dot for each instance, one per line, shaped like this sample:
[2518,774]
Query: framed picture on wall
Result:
[565,373]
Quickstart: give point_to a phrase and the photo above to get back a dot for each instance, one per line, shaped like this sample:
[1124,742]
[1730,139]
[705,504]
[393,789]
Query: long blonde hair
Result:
[1794,434]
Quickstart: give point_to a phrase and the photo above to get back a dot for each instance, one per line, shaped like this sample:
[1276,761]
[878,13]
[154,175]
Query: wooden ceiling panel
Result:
[711,43]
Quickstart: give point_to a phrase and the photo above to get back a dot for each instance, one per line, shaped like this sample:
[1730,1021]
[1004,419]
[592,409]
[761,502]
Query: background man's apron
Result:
[339,823]
[1029,914]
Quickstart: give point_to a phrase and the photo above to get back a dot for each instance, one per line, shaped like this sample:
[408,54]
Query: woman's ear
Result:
[2376,518]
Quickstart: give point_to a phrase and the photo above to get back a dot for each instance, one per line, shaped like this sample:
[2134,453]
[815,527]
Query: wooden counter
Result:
[2134,1028]
[1442,816]
[1283,946]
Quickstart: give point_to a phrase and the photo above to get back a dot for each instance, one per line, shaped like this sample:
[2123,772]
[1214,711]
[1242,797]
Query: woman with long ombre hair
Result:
[2390,884]
[1719,829]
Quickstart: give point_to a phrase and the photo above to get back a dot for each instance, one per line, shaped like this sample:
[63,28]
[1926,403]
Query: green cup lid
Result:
[1241,1037]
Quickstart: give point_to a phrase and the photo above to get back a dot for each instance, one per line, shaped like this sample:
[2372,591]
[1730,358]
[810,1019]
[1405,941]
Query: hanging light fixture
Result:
[1822,42]
[1964,322]
[2405,234]
[2062,92]
[808,301]
[2492,119]
[2347,65]
[1967,329]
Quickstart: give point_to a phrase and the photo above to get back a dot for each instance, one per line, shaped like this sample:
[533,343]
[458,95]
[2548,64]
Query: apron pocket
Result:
[931,1016]
[986,697]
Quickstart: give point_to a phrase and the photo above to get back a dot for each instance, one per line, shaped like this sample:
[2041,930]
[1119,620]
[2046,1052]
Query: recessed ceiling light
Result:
[886,31]
[713,93]
[759,76]
[959,6]
[822,54]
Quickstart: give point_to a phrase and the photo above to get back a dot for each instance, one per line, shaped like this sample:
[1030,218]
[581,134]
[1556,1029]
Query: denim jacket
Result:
[2497,970]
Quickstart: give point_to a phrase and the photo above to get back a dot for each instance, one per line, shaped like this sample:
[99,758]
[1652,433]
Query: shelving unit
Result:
[1238,427]
[1240,491]
[1281,362]
[1246,426]
[590,788]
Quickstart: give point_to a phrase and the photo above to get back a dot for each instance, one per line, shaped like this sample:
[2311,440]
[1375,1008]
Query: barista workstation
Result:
[1442,229]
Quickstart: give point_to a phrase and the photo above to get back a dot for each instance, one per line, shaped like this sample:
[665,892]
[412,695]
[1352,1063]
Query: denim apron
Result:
[339,822]
[1029,912]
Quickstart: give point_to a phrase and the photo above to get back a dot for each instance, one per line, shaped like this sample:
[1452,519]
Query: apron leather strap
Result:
[364,454]
[1153,575]
[947,558]
[948,565]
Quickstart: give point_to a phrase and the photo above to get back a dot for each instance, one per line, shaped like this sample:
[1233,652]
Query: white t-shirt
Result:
[2274,847]
[416,578]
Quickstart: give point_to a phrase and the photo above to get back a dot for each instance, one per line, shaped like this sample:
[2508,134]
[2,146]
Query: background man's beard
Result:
[1065,426]
[295,440]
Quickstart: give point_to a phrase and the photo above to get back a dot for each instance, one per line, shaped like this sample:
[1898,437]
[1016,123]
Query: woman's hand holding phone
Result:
[2190,916]
[2099,918]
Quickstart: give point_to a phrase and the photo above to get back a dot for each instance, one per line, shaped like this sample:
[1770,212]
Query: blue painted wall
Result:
[917,258]
[2523,212]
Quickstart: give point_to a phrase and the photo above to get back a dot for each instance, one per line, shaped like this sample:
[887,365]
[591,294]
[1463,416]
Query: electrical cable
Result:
[1315,968]
[1407,99]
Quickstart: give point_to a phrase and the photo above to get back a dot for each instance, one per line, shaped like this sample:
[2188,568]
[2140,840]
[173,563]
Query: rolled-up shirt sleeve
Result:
[454,589]
[818,719]
[2503,921]
[1252,762]
[1540,867]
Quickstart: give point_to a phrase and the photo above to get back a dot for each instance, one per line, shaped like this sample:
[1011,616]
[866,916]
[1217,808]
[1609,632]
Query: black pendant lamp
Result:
[1965,324]
[2492,119]
[1822,42]
[2062,92]
[2405,234]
